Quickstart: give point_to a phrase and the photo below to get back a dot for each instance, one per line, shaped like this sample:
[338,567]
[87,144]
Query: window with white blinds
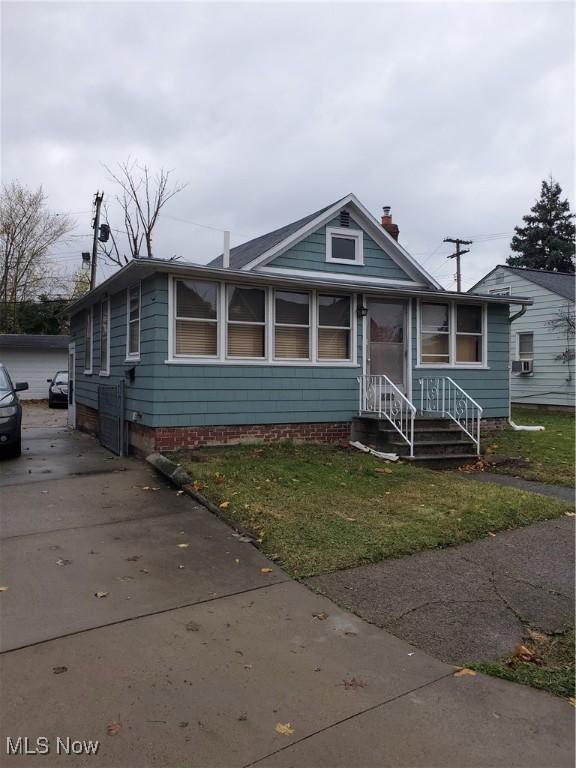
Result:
[291,325]
[232,323]
[246,327]
[196,318]
[334,327]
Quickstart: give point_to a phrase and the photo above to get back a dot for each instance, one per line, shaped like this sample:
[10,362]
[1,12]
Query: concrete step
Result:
[442,462]
[428,435]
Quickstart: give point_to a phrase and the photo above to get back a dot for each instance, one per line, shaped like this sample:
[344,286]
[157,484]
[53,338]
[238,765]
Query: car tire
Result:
[15,451]
[50,403]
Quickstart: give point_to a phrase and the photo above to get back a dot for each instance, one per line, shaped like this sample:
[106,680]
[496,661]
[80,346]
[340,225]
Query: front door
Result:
[72,386]
[385,342]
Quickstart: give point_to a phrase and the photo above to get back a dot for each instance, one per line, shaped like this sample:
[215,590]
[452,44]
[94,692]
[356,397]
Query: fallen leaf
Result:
[59,670]
[383,470]
[524,654]
[101,594]
[113,729]
[134,558]
[320,616]
[183,546]
[192,626]
[491,534]
[284,728]
[150,488]
[144,570]
[179,493]
[350,519]
[3,589]
[265,570]
[224,505]
[196,485]
[353,684]
[572,701]
[464,671]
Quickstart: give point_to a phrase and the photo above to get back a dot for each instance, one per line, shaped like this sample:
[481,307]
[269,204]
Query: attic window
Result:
[344,219]
[344,246]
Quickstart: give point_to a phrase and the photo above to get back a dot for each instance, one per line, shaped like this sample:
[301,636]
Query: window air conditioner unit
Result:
[522,366]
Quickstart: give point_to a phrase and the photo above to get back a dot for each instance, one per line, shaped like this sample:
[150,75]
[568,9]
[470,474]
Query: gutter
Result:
[518,427]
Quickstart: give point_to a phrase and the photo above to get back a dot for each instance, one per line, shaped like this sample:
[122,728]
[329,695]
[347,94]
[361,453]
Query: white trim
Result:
[340,276]
[452,333]
[105,371]
[227,321]
[407,342]
[222,359]
[378,233]
[89,317]
[356,235]
[133,356]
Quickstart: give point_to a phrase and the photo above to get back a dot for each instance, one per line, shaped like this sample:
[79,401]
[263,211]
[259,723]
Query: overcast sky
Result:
[450,113]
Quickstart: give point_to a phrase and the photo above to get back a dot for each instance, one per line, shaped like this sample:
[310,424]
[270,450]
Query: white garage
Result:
[33,358]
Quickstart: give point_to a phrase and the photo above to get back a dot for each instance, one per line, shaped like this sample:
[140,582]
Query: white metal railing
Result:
[379,395]
[441,395]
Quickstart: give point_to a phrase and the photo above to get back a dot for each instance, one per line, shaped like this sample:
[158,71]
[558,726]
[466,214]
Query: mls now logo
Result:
[22,745]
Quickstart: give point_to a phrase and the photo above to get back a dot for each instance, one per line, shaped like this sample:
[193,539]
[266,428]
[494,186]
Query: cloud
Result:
[450,113]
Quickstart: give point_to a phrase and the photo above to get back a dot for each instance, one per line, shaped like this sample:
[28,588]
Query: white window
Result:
[246,327]
[196,320]
[525,345]
[105,337]
[435,334]
[469,333]
[452,334]
[88,339]
[344,246]
[291,325]
[334,327]
[134,301]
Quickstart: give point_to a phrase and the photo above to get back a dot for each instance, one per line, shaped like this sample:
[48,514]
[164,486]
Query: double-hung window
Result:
[451,334]
[246,322]
[196,322]
[469,333]
[105,337]
[88,335]
[334,327]
[133,330]
[291,325]
[435,334]
[525,341]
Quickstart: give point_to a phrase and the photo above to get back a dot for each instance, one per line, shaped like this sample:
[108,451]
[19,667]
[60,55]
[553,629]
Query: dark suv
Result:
[10,414]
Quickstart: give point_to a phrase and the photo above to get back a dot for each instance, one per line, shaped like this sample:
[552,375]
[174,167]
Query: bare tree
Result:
[565,322]
[142,195]
[27,232]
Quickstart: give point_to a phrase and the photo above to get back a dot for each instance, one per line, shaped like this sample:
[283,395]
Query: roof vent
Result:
[344,219]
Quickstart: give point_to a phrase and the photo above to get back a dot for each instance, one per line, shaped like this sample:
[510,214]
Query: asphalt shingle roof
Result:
[33,341]
[561,283]
[243,254]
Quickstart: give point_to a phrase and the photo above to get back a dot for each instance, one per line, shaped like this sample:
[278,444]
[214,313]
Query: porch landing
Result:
[437,440]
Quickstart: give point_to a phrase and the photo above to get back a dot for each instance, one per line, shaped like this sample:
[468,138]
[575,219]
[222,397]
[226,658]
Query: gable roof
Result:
[561,283]
[258,252]
[241,255]
[33,341]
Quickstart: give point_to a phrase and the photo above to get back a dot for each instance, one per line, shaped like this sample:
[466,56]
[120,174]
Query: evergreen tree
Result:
[547,240]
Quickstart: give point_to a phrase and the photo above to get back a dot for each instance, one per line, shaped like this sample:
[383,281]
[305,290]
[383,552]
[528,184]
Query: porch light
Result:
[361,311]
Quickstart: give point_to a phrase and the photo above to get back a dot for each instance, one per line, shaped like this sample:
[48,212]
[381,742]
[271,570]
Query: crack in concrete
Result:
[433,602]
[516,578]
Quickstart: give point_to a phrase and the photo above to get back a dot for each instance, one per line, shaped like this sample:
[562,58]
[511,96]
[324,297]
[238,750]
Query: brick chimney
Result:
[387,223]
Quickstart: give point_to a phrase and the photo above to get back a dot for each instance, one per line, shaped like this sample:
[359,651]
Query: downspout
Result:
[518,427]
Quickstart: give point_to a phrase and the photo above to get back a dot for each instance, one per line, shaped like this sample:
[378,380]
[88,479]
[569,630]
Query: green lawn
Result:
[550,453]
[551,668]
[319,508]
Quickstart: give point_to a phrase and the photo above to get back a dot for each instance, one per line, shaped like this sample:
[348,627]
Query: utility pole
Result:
[458,242]
[96,226]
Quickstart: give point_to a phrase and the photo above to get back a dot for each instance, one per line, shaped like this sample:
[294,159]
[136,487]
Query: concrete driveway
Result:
[193,655]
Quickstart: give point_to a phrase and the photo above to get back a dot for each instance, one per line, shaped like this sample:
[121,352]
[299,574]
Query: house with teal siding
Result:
[321,330]
[542,338]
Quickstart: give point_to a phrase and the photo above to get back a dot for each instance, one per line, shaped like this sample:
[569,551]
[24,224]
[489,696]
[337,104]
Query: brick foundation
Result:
[173,438]
[86,419]
[500,422]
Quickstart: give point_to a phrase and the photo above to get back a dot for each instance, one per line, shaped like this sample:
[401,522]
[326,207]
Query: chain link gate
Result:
[111,417]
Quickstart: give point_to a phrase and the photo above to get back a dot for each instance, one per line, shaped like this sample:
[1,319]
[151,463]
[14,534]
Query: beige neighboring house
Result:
[34,358]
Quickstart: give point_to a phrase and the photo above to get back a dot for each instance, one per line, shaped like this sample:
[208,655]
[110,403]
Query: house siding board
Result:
[310,254]
[551,383]
[489,387]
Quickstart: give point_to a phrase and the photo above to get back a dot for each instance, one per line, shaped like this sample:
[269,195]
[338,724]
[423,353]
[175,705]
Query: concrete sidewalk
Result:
[219,662]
